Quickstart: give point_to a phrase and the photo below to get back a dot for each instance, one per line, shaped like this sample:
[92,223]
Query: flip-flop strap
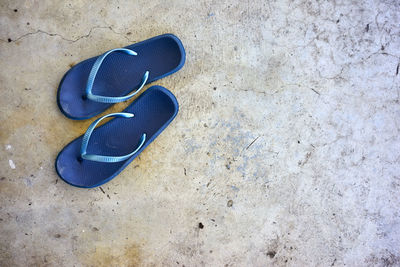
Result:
[108,159]
[92,76]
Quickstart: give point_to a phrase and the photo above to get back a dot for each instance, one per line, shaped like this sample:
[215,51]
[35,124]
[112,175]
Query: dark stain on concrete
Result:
[271,253]
[383,258]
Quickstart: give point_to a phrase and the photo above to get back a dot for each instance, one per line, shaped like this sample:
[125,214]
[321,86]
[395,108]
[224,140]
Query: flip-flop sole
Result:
[119,74]
[153,110]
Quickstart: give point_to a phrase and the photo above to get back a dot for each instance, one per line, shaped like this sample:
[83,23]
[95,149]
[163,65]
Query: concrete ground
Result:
[285,151]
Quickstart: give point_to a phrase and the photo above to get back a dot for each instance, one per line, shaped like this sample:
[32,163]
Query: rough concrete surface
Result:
[285,151]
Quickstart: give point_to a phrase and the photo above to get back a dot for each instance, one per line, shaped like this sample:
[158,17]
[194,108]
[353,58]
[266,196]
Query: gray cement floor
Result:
[285,151]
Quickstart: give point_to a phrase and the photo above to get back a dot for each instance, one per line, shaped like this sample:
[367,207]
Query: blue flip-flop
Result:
[102,153]
[93,85]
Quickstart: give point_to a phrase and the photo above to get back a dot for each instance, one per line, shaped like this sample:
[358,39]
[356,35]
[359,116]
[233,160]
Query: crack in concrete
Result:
[39,31]
[336,76]
[252,142]
[257,92]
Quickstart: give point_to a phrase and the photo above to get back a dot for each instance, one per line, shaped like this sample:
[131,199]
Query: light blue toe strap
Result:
[108,159]
[92,76]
